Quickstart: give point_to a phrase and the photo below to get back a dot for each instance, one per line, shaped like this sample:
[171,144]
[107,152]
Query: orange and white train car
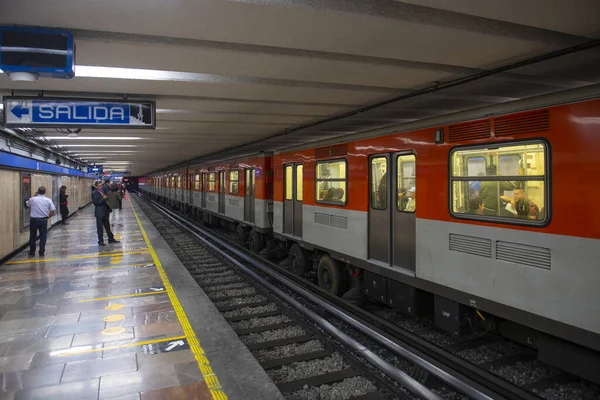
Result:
[494,213]
[237,191]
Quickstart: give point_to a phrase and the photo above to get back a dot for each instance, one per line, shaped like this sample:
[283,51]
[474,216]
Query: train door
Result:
[249,194]
[392,205]
[292,204]
[204,189]
[222,192]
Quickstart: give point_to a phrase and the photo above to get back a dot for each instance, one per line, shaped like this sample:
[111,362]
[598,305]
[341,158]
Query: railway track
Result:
[306,364]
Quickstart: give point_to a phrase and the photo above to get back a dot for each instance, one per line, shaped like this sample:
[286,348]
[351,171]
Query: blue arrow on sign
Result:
[19,111]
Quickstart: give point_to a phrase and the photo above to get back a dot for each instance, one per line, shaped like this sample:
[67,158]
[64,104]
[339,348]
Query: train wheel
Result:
[331,276]
[257,242]
[241,236]
[299,262]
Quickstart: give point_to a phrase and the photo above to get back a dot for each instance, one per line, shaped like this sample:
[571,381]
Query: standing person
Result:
[41,208]
[102,213]
[411,204]
[64,209]
[106,186]
[122,194]
[113,199]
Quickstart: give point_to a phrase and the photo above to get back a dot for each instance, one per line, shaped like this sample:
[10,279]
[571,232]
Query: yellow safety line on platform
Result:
[120,346]
[212,382]
[79,257]
[122,296]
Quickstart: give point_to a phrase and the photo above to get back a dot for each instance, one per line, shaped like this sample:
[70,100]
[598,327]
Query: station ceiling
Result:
[236,77]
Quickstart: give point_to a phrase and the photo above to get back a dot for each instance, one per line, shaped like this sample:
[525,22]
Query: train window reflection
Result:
[379,191]
[233,182]
[330,182]
[299,169]
[406,187]
[289,182]
[212,182]
[512,189]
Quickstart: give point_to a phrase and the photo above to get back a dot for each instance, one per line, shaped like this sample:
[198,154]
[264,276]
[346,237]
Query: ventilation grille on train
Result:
[524,254]
[321,218]
[471,245]
[470,131]
[537,121]
[337,150]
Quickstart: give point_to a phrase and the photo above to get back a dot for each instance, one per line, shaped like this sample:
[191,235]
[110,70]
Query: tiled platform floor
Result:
[97,323]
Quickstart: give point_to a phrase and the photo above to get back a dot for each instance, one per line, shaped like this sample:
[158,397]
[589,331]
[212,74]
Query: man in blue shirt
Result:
[41,208]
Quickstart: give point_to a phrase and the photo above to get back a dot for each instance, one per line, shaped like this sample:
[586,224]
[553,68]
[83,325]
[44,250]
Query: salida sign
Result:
[75,113]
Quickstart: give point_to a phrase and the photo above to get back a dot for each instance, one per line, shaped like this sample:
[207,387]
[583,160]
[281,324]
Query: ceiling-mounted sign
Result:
[78,113]
[94,169]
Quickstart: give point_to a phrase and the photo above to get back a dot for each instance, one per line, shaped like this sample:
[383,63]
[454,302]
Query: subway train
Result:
[505,234]
[20,177]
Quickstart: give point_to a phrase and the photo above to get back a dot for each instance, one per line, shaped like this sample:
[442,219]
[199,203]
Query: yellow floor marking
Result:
[114,307]
[122,296]
[212,382]
[114,318]
[114,330]
[83,256]
[121,346]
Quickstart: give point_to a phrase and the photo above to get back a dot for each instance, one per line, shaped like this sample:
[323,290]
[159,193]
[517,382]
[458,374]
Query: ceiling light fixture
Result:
[98,145]
[95,138]
[91,71]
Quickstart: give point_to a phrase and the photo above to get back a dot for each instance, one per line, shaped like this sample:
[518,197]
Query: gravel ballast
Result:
[260,321]
[249,310]
[576,390]
[230,293]
[288,350]
[240,300]
[525,372]
[348,388]
[277,334]
[306,369]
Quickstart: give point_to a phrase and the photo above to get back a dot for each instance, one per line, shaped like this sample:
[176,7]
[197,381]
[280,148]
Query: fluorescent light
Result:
[174,111]
[98,145]
[94,138]
[90,71]
[103,152]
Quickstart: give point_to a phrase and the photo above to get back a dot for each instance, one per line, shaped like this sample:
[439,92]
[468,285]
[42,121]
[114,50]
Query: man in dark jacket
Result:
[102,213]
[106,186]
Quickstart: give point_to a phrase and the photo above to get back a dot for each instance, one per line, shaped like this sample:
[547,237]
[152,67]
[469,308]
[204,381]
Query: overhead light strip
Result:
[94,138]
[98,145]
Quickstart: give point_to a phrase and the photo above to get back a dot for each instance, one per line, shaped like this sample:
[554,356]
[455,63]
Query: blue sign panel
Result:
[95,169]
[46,52]
[76,113]
[17,161]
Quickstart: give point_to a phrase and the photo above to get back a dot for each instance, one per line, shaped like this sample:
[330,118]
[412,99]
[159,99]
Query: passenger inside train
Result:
[331,182]
[507,175]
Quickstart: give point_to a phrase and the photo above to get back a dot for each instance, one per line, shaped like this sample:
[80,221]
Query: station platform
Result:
[125,321]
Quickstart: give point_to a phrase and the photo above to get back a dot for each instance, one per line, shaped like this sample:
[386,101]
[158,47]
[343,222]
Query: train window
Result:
[197,182]
[212,182]
[331,182]
[379,192]
[406,184]
[299,169]
[289,184]
[233,182]
[179,182]
[476,166]
[513,189]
